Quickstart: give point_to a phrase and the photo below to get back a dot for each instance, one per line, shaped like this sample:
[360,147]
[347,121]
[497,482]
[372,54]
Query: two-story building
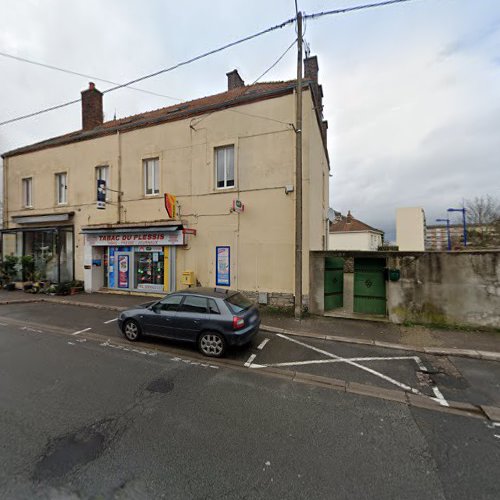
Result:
[227,159]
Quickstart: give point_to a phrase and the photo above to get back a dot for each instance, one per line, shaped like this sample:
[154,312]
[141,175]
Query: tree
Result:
[483,217]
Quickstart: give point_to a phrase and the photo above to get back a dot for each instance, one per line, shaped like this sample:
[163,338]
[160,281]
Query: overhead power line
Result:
[70,72]
[156,73]
[352,9]
[211,52]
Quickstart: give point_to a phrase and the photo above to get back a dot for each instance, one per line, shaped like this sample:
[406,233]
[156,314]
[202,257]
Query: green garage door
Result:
[369,286]
[334,282]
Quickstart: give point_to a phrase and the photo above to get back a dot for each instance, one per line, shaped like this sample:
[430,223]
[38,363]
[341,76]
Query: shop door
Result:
[369,286]
[124,270]
[334,282]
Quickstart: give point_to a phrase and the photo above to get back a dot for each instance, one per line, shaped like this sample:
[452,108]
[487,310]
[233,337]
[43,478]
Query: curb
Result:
[436,351]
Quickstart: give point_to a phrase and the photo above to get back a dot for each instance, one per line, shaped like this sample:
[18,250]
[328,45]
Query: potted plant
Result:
[76,286]
[10,271]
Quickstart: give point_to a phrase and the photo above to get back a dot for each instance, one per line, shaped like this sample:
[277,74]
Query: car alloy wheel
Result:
[212,344]
[131,330]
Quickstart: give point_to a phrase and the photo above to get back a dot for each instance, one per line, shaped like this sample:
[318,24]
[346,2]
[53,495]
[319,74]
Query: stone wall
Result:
[455,288]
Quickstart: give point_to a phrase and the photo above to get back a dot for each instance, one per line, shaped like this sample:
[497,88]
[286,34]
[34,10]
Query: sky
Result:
[411,91]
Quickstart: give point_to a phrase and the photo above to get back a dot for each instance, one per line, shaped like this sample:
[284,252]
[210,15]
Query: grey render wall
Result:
[449,288]
[461,288]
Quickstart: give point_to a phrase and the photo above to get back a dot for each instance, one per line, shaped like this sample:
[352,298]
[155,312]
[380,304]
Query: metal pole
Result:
[298,175]
[465,227]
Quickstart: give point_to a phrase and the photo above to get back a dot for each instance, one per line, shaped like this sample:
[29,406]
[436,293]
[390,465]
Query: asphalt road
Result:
[82,419]
[455,379]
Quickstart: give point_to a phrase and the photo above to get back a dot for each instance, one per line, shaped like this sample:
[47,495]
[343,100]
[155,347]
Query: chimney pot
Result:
[349,217]
[234,80]
[311,68]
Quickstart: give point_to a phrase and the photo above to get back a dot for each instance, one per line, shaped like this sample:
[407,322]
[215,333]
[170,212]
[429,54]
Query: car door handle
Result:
[196,321]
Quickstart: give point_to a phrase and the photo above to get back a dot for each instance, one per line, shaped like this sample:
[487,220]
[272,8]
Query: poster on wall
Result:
[123,271]
[223,266]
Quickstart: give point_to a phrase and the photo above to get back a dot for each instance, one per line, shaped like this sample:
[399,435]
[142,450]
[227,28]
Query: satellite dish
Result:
[331,214]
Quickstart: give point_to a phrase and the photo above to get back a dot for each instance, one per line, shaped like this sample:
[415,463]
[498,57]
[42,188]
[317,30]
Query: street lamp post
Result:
[447,231]
[464,221]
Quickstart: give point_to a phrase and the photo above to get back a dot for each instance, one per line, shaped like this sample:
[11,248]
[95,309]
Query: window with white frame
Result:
[224,167]
[151,176]
[61,188]
[102,174]
[27,192]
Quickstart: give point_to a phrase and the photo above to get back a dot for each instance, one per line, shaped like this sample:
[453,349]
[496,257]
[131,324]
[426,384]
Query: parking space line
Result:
[353,363]
[81,331]
[262,344]
[342,360]
[110,321]
[439,396]
[250,359]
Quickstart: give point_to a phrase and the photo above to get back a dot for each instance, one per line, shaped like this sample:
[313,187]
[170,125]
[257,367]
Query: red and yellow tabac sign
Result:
[170,205]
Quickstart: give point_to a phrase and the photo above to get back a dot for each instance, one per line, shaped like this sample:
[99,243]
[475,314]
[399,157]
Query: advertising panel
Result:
[223,266]
[123,274]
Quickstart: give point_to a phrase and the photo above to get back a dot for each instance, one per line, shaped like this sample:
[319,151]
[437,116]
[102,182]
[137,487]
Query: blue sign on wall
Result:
[223,266]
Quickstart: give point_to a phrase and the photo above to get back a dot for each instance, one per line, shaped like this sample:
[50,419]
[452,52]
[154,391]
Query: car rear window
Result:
[238,302]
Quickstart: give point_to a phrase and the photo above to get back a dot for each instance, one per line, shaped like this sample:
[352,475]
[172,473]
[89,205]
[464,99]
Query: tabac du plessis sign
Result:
[170,205]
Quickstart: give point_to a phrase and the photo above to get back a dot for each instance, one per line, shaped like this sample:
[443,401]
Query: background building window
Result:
[151,176]
[27,192]
[102,174]
[61,188]
[224,166]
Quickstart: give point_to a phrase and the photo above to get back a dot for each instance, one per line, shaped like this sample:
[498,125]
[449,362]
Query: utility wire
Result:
[220,49]
[249,87]
[151,75]
[70,72]
[351,9]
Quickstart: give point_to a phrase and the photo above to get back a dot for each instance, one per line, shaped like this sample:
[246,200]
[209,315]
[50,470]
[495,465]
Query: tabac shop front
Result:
[131,259]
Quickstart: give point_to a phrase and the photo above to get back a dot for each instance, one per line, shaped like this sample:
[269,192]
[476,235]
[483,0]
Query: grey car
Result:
[213,318]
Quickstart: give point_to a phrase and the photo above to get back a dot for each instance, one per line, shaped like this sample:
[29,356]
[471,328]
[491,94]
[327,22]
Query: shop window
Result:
[27,192]
[194,304]
[151,176]
[224,167]
[149,270]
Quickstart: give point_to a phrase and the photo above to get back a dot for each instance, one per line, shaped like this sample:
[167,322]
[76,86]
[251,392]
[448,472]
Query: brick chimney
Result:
[349,217]
[311,68]
[234,80]
[91,108]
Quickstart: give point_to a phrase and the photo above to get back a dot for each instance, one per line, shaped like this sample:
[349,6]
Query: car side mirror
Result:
[156,308]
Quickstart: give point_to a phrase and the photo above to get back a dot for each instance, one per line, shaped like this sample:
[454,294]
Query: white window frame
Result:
[62,188]
[27,186]
[99,170]
[151,168]
[226,149]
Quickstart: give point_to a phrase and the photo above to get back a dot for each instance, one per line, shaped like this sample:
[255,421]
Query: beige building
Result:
[229,160]
[349,233]
[410,229]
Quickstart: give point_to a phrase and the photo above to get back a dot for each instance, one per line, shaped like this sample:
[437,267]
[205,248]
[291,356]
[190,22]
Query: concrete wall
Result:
[446,288]
[262,238]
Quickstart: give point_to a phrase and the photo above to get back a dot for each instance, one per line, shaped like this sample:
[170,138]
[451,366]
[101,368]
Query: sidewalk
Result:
[474,344]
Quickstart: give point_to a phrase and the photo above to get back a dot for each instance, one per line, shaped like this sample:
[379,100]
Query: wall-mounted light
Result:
[288,188]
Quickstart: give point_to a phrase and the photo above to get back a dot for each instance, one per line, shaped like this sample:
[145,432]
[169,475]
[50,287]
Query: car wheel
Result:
[131,330]
[212,344]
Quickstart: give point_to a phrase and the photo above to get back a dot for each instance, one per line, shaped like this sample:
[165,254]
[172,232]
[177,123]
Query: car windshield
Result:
[238,302]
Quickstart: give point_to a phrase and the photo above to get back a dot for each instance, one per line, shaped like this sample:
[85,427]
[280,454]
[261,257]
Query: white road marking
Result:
[497,435]
[419,363]
[81,340]
[250,359]
[322,361]
[28,329]
[262,344]
[495,424]
[110,321]
[81,331]
[71,343]
[439,396]
[353,363]
[4,324]
[130,349]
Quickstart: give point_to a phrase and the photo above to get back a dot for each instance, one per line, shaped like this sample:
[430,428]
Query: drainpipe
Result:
[119,165]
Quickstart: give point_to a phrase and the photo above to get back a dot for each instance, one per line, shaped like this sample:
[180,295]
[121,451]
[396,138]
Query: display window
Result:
[149,269]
